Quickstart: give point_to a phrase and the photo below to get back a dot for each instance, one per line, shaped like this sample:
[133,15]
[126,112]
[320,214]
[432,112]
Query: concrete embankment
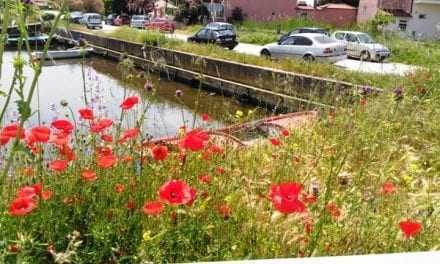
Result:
[287,91]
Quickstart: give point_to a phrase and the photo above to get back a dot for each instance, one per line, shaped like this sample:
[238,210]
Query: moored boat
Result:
[250,133]
[63,54]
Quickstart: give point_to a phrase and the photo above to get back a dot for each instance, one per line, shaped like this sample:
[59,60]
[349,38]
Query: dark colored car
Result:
[122,20]
[222,34]
[75,17]
[304,30]
[110,19]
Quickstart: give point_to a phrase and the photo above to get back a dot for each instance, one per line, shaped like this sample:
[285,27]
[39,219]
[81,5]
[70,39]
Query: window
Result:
[351,38]
[289,41]
[403,25]
[422,16]
[203,33]
[303,41]
[340,36]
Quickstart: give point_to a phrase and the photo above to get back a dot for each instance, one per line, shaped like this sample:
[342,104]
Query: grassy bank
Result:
[298,66]
[359,172]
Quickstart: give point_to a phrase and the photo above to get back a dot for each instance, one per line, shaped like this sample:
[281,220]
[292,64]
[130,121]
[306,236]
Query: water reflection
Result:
[62,81]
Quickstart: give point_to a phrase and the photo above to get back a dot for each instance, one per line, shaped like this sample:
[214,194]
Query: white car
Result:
[309,46]
[139,21]
[91,20]
[361,45]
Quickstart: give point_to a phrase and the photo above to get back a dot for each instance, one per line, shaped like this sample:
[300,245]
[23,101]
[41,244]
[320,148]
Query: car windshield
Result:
[365,38]
[94,17]
[324,39]
[139,17]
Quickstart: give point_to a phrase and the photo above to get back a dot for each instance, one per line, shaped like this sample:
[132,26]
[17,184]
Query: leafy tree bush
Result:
[237,15]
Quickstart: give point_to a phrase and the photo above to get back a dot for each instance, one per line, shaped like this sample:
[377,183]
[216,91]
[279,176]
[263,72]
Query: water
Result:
[105,83]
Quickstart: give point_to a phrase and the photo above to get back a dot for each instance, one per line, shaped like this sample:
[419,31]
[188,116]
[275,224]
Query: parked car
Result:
[122,20]
[222,34]
[161,24]
[361,45]
[92,20]
[139,21]
[75,17]
[110,19]
[309,46]
[305,30]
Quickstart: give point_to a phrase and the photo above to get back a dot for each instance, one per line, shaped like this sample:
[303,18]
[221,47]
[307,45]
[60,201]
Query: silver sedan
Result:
[309,46]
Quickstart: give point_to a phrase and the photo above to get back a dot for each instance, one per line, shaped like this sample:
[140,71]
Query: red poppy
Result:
[195,140]
[4,139]
[63,125]
[60,138]
[275,141]
[205,117]
[131,205]
[40,134]
[224,210]
[129,134]
[159,153]
[86,114]
[59,165]
[88,175]
[12,131]
[177,192]
[107,161]
[22,206]
[388,188]
[410,228]
[333,210]
[27,191]
[119,187]
[98,127]
[129,102]
[103,151]
[46,195]
[285,198]
[38,187]
[14,248]
[107,138]
[309,198]
[152,208]
[285,132]
[220,170]
[205,179]
[127,159]
[67,152]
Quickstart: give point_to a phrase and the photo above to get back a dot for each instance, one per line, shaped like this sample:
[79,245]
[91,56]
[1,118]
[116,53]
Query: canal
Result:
[106,83]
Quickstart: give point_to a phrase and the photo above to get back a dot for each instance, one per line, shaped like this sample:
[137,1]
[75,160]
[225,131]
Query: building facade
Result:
[419,19]
[262,10]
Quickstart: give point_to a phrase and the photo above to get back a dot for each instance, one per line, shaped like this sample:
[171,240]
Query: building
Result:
[262,10]
[334,14]
[41,3]
[419,19]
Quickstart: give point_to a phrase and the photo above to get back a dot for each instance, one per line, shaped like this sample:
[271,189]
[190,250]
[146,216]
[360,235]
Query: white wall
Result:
[429,27]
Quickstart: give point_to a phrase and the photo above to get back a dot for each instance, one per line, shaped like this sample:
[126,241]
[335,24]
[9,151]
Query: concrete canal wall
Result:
[271,87]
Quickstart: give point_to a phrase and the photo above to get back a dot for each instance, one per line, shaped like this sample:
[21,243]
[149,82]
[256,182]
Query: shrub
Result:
[237,15]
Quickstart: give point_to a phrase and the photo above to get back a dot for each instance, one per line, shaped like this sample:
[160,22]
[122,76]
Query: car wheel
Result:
[365,56]
[231,47]
[265,53]
[308,58]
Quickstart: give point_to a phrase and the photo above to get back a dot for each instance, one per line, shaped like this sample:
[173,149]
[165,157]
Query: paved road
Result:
[349,64]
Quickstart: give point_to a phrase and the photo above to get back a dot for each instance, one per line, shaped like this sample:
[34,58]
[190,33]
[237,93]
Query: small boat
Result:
[63,54]
[37,39]
[248,134]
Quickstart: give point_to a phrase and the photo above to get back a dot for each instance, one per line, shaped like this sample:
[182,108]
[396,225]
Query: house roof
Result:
[327,6]
[336,6]
[398,12]
[432,2]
